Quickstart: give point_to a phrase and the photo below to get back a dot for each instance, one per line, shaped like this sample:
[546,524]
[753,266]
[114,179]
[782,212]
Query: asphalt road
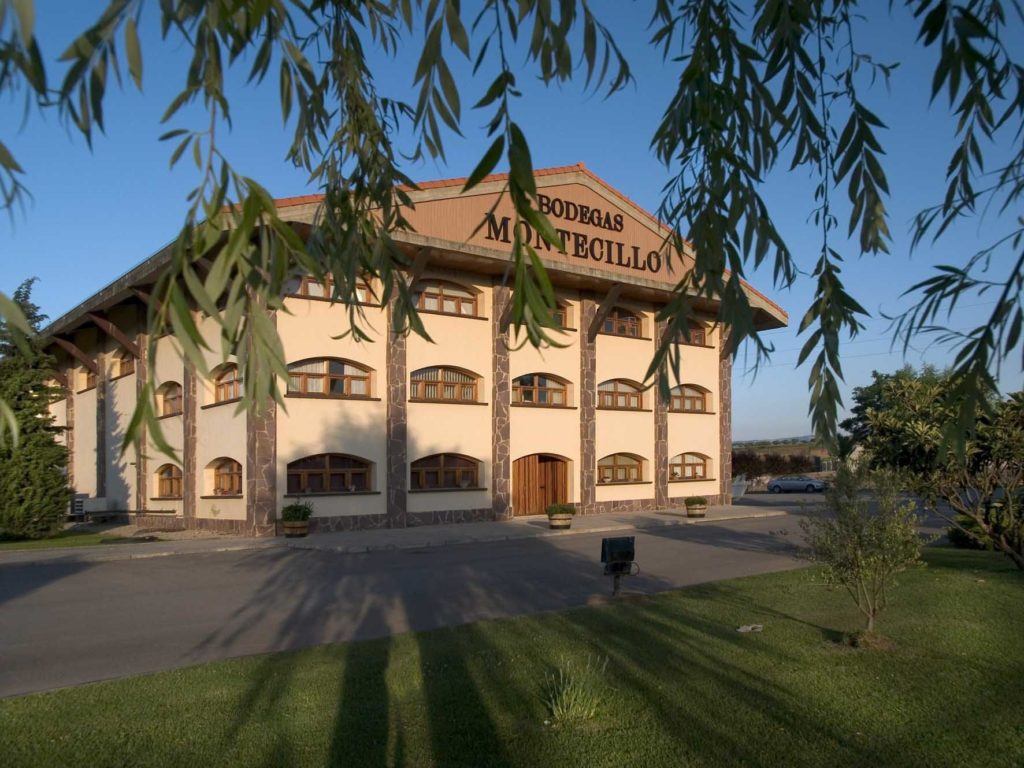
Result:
[67,623]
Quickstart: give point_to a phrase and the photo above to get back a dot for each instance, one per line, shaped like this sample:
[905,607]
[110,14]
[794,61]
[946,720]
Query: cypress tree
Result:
[34,491]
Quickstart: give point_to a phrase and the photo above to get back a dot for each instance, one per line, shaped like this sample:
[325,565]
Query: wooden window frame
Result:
[327,377]
[518,390]
[621,321]
[632,393]
[418,387]
[227,478]
[681,465]
[697,336]
[125,364]
[168,482]
[437,290]
[419,469]
[362,286]
[326,472]
[91,381]
[680,402]
[634,469]
[230,390]
[171,386]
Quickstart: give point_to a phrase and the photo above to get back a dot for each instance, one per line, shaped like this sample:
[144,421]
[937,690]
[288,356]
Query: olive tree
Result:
[861,540]
[750,88]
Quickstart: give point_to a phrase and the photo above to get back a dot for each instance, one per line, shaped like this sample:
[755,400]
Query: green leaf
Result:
[486,164]
[134,52]
[26,19]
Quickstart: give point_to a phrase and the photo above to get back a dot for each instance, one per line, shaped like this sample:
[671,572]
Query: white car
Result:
[796,483]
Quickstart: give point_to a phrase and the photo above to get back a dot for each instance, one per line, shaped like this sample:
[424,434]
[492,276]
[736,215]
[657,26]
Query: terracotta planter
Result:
[560,521]
[699,510]
[294,529]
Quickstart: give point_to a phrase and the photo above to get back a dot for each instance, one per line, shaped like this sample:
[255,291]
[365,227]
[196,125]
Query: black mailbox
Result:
[620,549]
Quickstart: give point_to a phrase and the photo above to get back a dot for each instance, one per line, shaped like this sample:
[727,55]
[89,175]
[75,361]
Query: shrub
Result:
[573,691]
[966,534]
[696,501]
[34,491]
[297,512]
[561,509]
[859,548]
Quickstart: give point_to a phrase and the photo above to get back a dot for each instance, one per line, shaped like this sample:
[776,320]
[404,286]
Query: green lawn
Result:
[684,688]
[66,539]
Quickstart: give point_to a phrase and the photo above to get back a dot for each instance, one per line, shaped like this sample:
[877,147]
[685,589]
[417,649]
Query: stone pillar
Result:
[188,437]
[69,423]
[588,407]
[397,427]
[501,464]
[261,470]
[141,445]
[660,437]
[101,426]
[725,421]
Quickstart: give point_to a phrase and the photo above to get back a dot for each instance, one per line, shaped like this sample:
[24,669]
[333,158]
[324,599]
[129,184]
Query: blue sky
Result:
[97,213]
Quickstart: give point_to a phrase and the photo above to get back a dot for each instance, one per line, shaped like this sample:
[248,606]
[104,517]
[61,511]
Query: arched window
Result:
[446,298]
[328,377]
[689,398]
[310,288]
[620,468]
[329,473]
[169,398]
[227,384]
[621,394]
[227,477]
[125,364]
[445,470]
[689,466]
[168,482]
[539,389]
[622,322]
[444,384]
[697,336]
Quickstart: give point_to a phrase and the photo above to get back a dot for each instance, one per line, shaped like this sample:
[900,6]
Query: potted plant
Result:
[560,516]
[295,519]
[696,506]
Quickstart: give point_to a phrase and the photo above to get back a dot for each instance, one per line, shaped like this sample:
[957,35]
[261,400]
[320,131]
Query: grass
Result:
[69,538]
[683,688]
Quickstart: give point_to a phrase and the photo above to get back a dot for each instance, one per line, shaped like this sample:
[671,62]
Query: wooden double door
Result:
[538,480]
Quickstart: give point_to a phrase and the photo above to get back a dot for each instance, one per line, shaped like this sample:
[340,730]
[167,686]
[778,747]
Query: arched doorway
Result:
[538,480]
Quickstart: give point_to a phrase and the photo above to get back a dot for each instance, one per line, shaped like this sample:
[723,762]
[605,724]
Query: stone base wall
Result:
[446,517]
[347,523]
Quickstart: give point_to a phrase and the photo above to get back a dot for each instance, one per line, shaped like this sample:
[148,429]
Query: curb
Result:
[96,555]
[543,534]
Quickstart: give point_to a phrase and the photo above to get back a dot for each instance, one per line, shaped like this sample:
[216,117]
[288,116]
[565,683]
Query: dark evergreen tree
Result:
[34,491]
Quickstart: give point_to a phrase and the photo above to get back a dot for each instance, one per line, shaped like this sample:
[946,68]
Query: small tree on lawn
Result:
[33,482]
[863,541]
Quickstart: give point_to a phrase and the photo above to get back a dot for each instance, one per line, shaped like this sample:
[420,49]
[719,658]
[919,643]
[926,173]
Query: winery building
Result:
[397,430]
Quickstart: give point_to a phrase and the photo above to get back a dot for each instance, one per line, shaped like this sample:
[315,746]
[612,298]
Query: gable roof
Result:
[302,208]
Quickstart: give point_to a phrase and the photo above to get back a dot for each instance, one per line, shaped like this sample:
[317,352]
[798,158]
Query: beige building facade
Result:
[397,430]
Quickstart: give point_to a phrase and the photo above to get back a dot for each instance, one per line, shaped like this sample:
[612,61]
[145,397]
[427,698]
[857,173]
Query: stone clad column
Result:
[261,465]
[397,426]
[501,393]
[141,377]
[188,448]
[588,406]
[725,421]
[261,470]
[660,436]
[69,423]
[101,426]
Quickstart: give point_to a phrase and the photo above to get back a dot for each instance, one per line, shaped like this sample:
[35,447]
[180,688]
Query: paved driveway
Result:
[67,622]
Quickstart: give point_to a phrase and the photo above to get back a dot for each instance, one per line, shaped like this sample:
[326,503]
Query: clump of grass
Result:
[574,690]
